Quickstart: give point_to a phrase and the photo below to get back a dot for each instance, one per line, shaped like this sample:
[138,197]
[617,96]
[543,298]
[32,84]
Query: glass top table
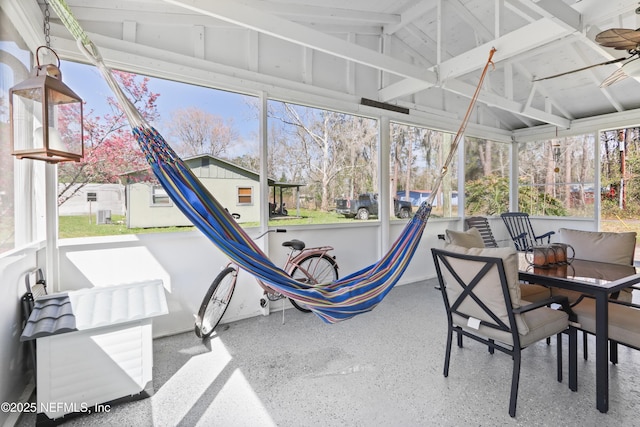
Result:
[598,279]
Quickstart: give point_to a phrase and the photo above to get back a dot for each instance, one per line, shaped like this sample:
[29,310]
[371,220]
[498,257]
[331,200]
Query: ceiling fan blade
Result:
[619,38]
[628,69]
[616,76]
[613,61]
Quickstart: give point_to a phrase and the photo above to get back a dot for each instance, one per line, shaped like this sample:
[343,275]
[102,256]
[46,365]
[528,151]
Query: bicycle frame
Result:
[293,261]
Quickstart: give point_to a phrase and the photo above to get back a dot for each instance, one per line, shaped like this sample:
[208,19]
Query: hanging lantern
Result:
[46,116]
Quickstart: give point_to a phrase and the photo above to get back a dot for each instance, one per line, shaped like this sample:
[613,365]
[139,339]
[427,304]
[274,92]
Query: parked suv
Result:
[366,205]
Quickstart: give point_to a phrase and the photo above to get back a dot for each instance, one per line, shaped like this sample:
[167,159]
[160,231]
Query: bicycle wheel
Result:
[215,302]
[313,270]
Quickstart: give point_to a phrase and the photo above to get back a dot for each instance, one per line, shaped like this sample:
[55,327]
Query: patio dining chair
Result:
[482,225]
[600,246]
[482,300]
[475,238]
[521,231]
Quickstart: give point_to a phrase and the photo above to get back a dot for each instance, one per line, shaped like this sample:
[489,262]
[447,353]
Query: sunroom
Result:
[344,99]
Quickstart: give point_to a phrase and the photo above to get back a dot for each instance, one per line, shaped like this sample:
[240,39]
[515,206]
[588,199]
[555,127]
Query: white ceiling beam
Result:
[558,11]
[580,126]
[415,11]
[283,29]
[28,17]
[309,13]
[514,107]
[516,42]
[161,14]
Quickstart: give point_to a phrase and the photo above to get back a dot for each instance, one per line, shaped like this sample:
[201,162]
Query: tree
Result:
[110,148]
[199,132]
[329,151]
[489,195]
[620,159]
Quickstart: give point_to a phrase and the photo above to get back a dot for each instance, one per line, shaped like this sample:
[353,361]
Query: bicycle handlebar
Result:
[275,230]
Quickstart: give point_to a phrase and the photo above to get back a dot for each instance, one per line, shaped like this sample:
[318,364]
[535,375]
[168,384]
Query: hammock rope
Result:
[356,293]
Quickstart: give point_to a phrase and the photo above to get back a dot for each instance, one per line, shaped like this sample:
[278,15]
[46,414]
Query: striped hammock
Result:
[356,293]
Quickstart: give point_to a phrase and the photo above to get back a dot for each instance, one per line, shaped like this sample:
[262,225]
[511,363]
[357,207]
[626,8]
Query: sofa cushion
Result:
[468,239]
[615,248]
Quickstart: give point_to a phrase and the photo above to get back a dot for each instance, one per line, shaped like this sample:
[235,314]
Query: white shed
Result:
[235,187]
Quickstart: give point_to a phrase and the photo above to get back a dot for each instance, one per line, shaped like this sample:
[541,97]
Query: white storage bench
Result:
[94,346]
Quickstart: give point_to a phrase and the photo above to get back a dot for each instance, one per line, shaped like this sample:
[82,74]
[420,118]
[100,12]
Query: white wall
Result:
[187,262]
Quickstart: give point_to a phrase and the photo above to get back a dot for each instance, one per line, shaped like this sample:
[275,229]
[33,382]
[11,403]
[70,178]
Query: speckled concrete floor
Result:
[382,368]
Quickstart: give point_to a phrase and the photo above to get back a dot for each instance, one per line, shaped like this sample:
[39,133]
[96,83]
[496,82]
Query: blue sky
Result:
[87,82]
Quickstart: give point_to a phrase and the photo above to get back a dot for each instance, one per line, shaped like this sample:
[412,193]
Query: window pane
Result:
[214,131]
[486,177]
[417,157]
[556,176]
[619,178]
[160,196]
[245,195]
[331,157]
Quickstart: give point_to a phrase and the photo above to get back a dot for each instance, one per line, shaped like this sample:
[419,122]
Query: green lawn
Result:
[85,226]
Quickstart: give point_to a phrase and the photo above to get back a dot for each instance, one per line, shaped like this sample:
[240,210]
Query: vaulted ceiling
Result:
[424,55]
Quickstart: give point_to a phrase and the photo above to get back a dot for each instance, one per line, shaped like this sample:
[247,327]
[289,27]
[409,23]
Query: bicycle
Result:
[306,265]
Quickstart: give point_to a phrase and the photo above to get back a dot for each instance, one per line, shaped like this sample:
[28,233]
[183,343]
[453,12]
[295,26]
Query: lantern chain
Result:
[47,26]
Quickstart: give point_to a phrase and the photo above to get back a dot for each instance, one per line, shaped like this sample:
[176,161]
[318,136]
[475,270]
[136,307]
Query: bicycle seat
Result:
[296,244]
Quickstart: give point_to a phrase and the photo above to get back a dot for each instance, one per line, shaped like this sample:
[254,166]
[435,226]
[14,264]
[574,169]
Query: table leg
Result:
[573,359]
[602,354]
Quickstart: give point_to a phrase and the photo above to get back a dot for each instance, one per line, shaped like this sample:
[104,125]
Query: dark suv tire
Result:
[404,213]
[363,214]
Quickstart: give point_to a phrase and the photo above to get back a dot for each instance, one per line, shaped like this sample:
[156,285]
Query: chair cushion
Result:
[492,294]
[509,260]
[572,296]
[602,246]
[543,322]
[616,248]
[534,293]
[467,239]
[624,321]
